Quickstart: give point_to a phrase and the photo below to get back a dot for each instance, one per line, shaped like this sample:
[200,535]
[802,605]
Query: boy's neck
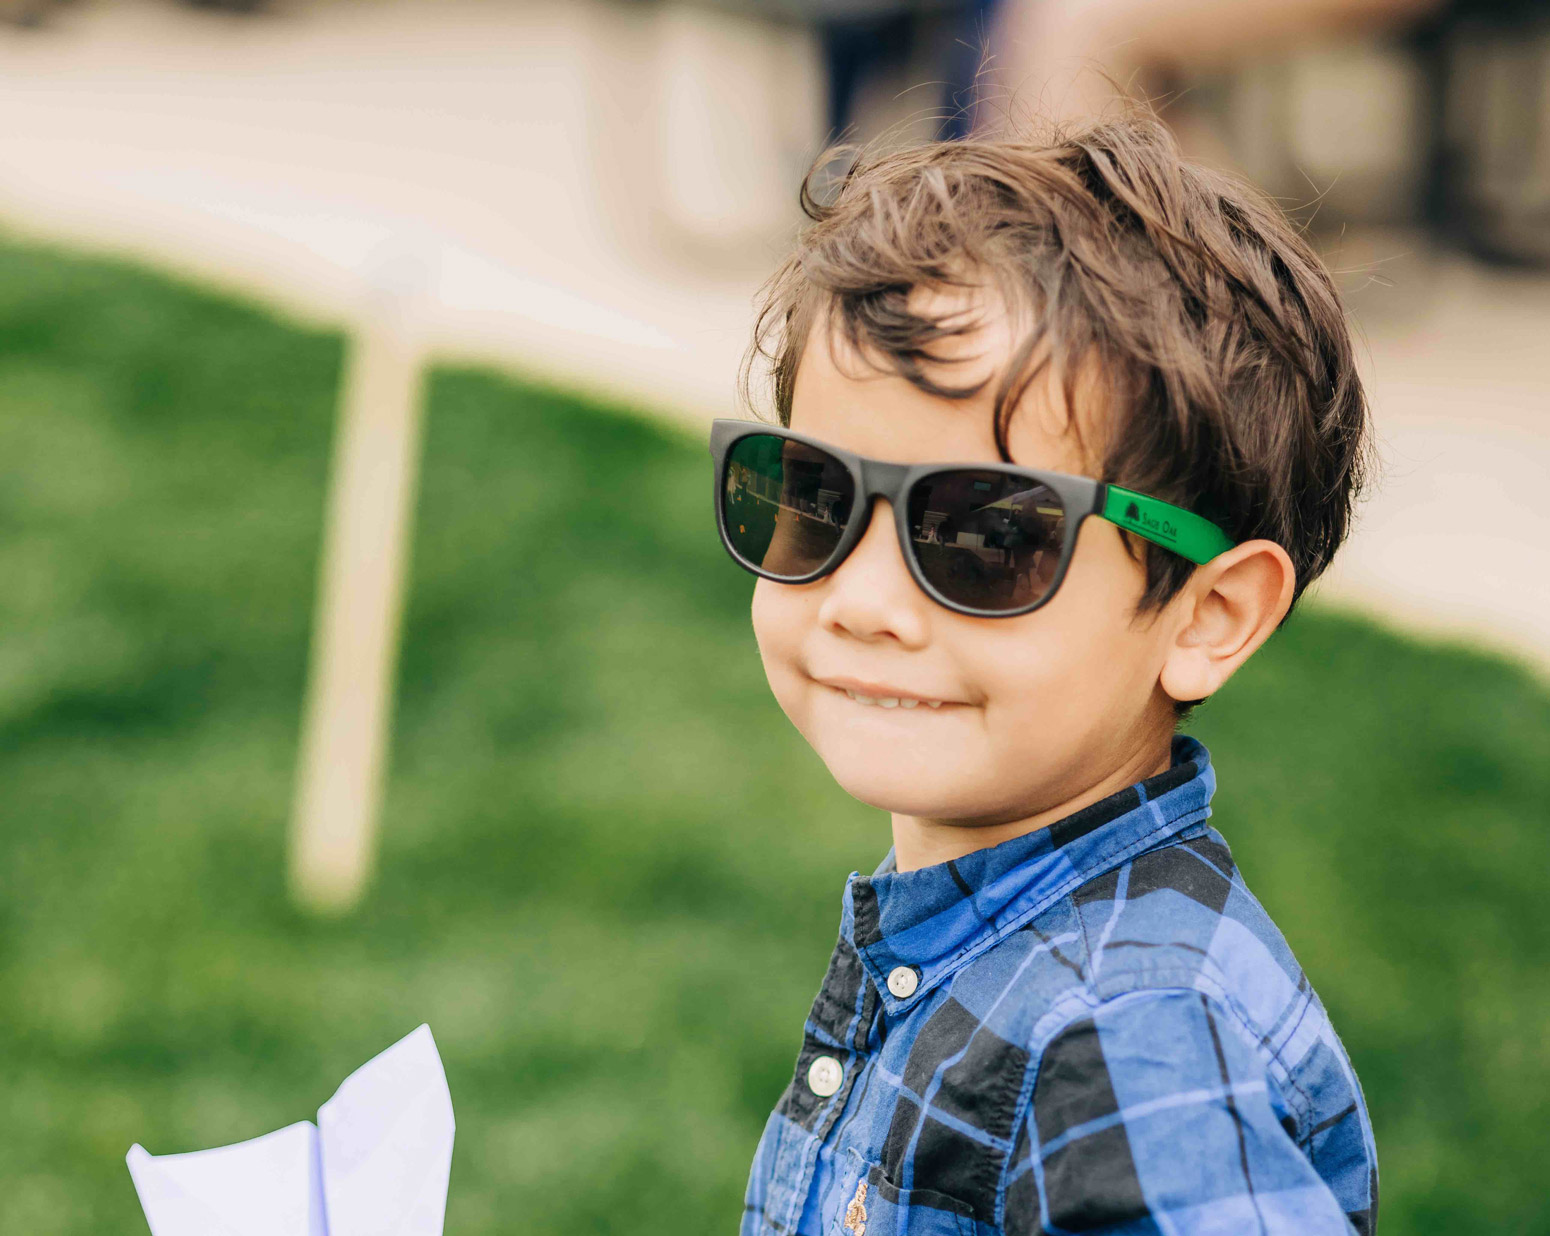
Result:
[922,842]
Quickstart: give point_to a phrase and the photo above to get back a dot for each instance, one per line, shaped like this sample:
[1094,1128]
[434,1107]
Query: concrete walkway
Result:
[1455,537]
[516,154]
[592,192]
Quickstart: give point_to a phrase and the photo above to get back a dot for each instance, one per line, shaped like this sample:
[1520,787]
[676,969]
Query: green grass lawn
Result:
[610,871]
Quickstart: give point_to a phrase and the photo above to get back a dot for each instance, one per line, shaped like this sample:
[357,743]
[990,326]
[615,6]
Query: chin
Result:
[904,787]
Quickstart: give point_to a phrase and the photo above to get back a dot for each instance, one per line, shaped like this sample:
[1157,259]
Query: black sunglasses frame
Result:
[1081,496]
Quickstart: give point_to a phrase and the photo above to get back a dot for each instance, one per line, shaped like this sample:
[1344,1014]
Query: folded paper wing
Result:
[386,1139]
[376,1164]
[263,1187]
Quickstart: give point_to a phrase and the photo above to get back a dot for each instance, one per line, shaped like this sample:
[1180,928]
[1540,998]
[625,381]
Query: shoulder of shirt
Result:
[1176,917]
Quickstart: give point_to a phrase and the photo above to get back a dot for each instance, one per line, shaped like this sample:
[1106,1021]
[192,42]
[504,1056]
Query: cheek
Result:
[1081,657]
[778,623]
[765,612]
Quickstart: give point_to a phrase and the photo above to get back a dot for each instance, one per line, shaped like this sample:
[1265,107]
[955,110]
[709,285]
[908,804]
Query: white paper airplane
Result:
[375,1164]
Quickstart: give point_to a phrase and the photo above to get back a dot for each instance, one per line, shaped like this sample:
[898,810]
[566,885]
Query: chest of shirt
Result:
[886,1115]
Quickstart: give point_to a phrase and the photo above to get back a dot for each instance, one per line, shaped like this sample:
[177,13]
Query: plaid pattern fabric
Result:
[1092,1028]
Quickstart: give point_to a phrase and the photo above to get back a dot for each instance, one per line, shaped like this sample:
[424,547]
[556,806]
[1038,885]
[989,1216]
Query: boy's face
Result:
[1035,710]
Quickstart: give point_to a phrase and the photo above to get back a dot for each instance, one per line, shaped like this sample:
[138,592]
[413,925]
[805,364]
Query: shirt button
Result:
[824,1076]
[902,981]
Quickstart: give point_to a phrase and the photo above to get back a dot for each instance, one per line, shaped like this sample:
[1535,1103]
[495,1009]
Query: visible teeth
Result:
[890,701]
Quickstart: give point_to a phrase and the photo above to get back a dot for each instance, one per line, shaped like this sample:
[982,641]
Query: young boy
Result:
[1065,430]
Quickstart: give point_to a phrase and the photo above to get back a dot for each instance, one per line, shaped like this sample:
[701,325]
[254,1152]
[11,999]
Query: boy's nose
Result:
[872,596]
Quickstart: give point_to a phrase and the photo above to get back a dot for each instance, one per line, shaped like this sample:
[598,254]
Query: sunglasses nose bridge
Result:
[880,479]
[884,480]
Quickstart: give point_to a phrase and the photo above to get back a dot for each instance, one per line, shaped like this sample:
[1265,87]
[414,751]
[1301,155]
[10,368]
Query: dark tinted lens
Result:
[985,539]
[785,504]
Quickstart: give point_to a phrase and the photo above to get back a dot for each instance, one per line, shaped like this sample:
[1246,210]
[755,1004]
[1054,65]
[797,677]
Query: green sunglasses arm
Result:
[1185,533]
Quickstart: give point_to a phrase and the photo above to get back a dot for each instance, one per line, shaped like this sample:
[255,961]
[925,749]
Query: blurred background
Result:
[367,656]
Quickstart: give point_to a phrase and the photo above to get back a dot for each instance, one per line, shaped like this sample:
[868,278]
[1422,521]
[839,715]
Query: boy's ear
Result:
[1227,610]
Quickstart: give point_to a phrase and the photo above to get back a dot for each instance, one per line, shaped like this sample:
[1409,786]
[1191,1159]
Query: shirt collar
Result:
[935,919]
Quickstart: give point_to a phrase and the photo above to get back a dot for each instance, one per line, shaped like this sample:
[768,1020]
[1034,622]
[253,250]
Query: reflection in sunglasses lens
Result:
[987,540]
[785,504]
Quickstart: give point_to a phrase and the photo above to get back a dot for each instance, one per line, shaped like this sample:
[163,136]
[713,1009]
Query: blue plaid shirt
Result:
[1094,1027]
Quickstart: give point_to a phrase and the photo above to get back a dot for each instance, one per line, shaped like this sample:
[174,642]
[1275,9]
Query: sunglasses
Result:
[984,539]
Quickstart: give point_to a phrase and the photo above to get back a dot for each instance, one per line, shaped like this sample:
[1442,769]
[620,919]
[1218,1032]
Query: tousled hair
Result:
[1215,333]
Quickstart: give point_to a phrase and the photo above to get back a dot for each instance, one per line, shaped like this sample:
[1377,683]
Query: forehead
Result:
[857,401]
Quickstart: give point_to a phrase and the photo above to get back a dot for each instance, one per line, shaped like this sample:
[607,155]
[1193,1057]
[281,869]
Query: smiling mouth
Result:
[882,695]
[891,701]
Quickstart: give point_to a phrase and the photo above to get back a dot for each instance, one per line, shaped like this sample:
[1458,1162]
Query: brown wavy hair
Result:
[1216,334]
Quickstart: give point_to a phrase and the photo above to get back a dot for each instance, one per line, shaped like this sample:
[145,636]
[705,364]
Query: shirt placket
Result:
[836,1050]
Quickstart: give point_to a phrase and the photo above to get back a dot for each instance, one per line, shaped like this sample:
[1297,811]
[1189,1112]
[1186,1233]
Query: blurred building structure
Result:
[593,192]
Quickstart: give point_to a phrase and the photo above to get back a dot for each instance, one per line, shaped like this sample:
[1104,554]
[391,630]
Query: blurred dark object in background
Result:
[1440,124]
[1488,179]
[36,12]
[26,12]
[935,46]
[946,41]
[228,6]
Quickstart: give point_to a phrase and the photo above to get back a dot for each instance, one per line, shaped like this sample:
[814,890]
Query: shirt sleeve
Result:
[1155,1112]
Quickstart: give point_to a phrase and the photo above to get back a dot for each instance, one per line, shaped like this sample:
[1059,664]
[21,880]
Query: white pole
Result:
[346,723]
